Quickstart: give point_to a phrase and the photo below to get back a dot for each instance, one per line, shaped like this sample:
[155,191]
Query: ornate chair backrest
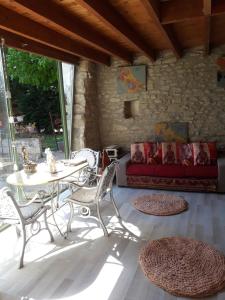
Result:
[90,155]
[106,181]
[9,209]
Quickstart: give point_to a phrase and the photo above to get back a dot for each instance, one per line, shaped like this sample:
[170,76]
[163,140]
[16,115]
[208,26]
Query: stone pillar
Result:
[85,123]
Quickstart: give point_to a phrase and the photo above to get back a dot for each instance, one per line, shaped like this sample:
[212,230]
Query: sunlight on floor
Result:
[85,240]
[58,250]
[102,287]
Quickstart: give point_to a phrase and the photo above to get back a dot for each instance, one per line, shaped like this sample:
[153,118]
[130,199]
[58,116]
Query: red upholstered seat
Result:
[202,171]
[173,171]
[141,169]
[170,171]
[156,170]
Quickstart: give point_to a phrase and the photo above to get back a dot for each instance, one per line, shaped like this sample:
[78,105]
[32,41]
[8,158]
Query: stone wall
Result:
[177,90]
[85,131]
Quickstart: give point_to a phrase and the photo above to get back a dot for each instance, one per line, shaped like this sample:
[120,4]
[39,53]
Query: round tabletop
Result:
[43,176]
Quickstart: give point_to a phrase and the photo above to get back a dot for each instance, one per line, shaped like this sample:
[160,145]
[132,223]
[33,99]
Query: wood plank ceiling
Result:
[98,30]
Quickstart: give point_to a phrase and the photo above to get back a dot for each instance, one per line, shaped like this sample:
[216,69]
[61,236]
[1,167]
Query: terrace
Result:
[129,71]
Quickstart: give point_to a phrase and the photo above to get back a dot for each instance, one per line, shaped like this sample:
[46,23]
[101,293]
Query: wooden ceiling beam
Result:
[24,44]
[207,7]
[207,10]
[175,11]
[178,11]
[25,27]
[73,25]
[152,7]
[218,7]
[109,15]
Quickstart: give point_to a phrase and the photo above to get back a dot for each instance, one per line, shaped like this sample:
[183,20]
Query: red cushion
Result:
[137,153]
[170,153]
[173,171]
[204,153]
[185,154]
[202,171]
[156,170]
[153,153]
[169,171]
[141,170]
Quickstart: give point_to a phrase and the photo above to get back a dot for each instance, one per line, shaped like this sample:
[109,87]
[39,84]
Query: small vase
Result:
[51,162]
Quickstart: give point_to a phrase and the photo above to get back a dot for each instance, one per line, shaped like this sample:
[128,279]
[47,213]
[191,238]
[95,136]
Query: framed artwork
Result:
[171,132]
[131,79]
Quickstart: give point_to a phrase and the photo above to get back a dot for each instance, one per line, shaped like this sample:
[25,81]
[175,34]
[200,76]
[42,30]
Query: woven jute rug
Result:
[160,204]
[183,267]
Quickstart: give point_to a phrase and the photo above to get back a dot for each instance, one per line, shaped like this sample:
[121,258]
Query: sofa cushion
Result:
[137,153]
[173,171]
[201,171]
[156,170]
[140,170]
[204,153]
[152,153]
[170,153]
[185,155]
[170,171]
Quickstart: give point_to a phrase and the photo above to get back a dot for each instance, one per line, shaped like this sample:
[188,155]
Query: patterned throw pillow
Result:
[204,153]
[152,153]
[137,153]
[169,153]
[186,154]
[212,152]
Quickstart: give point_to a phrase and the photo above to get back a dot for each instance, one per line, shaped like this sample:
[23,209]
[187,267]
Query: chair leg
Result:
[18,231]
[23,235]
[101,221]
[70,217]
[47,226]
[114,205]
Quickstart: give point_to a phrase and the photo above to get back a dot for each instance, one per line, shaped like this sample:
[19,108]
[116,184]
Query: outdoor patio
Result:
[60,270]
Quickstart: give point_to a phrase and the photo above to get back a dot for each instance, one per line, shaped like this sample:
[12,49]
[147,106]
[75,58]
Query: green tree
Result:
[35,103]
[34,87]
[31,69]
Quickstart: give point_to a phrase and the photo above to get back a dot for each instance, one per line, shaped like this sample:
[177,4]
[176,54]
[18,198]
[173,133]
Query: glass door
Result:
[66,77]
[6,128]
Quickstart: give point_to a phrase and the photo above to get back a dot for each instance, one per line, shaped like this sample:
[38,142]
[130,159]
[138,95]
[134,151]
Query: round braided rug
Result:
[183,267]
[160,204]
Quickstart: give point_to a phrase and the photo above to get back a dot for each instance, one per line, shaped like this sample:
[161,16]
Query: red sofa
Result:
[208,178]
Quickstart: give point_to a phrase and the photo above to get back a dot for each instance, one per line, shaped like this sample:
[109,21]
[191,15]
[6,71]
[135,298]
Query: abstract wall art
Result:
[131,79]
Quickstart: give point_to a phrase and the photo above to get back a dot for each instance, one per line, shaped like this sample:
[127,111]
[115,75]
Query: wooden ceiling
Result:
[101,29]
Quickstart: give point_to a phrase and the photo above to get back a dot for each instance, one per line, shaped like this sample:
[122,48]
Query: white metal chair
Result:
[90,155]
[23,215]
[85,197]
[88,175]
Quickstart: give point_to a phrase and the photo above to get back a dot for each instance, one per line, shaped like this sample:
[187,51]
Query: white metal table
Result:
[42,176]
